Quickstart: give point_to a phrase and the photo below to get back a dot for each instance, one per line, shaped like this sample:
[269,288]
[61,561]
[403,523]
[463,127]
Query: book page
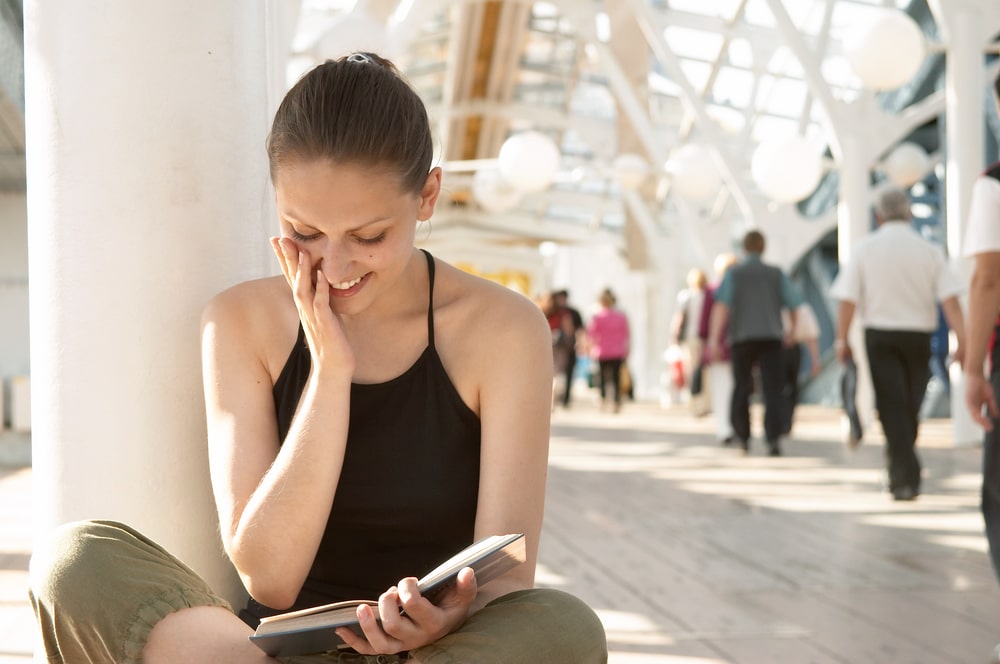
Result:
[351,604]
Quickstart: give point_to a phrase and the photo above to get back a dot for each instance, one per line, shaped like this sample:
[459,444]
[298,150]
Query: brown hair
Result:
[359,110]
[753,242]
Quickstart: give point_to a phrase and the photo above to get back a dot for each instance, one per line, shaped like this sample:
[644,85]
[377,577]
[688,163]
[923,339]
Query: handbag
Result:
[625,381]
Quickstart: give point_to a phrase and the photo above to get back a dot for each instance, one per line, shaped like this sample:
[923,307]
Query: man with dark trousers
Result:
[894,280]
[982,366]
[751,298]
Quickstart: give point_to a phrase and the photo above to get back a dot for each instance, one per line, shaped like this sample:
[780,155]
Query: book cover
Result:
[312,630]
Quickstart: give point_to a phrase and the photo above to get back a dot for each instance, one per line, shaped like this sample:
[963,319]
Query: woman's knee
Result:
[577,620]
[74,560]
[568,628]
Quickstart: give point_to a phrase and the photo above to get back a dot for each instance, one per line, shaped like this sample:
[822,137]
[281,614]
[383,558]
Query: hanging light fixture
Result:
[787,169]
[528,161]
[888,51]
[906,164]
[693,174]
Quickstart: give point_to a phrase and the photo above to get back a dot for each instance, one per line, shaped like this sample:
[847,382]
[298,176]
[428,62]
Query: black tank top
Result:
[406,499]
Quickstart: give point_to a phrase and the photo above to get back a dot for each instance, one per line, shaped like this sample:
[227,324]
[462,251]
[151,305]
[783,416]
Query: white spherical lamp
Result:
[693,174]
[886,52]
[493,193]
[907,164]
[350,33]
[787,169]
[528,161]
[629,170]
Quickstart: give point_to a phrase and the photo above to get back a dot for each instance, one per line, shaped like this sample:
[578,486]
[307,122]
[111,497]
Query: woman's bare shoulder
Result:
[249,299]
[259,313]
[489,312]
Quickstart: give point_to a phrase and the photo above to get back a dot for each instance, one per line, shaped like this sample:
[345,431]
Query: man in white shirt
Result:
[894,280]
[982,242]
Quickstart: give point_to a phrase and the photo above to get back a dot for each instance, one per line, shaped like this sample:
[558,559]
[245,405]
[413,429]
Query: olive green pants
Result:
[99,587]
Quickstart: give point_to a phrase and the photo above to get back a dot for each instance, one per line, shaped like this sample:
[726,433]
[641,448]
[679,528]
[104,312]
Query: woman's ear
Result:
[429,194]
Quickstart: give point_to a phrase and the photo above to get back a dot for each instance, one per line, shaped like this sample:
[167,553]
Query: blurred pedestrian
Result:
[718,368]
[894,280]
[560,301]
[751,298]
[684,334]
[982,366]
[802,338]
[608,337]
[563,341]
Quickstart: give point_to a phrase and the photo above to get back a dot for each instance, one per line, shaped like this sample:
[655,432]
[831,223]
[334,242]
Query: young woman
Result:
[361,425]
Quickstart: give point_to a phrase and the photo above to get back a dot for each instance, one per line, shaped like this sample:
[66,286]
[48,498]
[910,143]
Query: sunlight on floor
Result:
[975,543]
[619,657]
[632,629]
[963,482]
[544,576]
[941,522]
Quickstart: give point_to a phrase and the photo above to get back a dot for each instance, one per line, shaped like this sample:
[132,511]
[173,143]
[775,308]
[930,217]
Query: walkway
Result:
[693,554]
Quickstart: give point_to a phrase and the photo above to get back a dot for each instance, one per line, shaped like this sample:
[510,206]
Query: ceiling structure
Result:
[603,77]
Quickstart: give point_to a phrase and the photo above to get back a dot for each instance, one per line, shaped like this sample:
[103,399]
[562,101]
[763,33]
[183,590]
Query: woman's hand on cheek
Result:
[311,292]
[409,620]
[284,248]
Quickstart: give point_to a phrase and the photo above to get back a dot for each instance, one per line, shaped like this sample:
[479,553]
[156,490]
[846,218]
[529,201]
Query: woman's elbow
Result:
[271,585]
[984,281]
[274,596]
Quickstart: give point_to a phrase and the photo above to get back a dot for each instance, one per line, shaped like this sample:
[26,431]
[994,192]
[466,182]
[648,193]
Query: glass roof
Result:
[601,78]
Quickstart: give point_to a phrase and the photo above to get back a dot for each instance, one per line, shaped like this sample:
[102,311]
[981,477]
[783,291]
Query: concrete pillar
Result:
[146,188]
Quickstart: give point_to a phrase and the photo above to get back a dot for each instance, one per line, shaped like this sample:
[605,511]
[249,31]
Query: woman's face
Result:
[353,222]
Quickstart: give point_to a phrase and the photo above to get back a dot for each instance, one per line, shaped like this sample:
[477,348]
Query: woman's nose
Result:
[331,258]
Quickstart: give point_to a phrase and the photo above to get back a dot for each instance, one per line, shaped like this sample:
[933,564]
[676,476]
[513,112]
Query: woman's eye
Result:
[303,238]
[371,240]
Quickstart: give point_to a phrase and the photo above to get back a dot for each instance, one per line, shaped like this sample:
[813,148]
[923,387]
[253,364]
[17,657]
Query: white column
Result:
[146,182]
[853,223]
[964,81]
[854,205]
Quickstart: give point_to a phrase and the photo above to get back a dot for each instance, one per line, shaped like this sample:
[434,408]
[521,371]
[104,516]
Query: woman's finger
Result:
[389,610]
[303,280]
[991,404]
[321,298]
[279,253]
[378,640]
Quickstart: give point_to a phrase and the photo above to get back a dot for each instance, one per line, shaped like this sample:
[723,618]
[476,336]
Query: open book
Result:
[313,630]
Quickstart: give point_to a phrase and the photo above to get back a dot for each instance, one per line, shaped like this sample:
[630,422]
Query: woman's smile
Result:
[348,288]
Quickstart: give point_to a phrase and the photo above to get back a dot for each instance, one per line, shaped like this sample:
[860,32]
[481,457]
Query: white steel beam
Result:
[695,105]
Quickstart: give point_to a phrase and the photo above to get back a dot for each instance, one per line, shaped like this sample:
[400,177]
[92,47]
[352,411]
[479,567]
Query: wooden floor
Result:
[693,554]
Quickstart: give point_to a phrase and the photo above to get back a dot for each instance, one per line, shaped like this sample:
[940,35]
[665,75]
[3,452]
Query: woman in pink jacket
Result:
[608,335]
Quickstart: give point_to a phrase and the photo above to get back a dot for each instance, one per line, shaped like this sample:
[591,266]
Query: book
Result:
[313,630]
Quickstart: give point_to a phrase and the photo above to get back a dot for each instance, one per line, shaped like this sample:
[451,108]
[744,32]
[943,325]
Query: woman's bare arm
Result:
[273,501]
